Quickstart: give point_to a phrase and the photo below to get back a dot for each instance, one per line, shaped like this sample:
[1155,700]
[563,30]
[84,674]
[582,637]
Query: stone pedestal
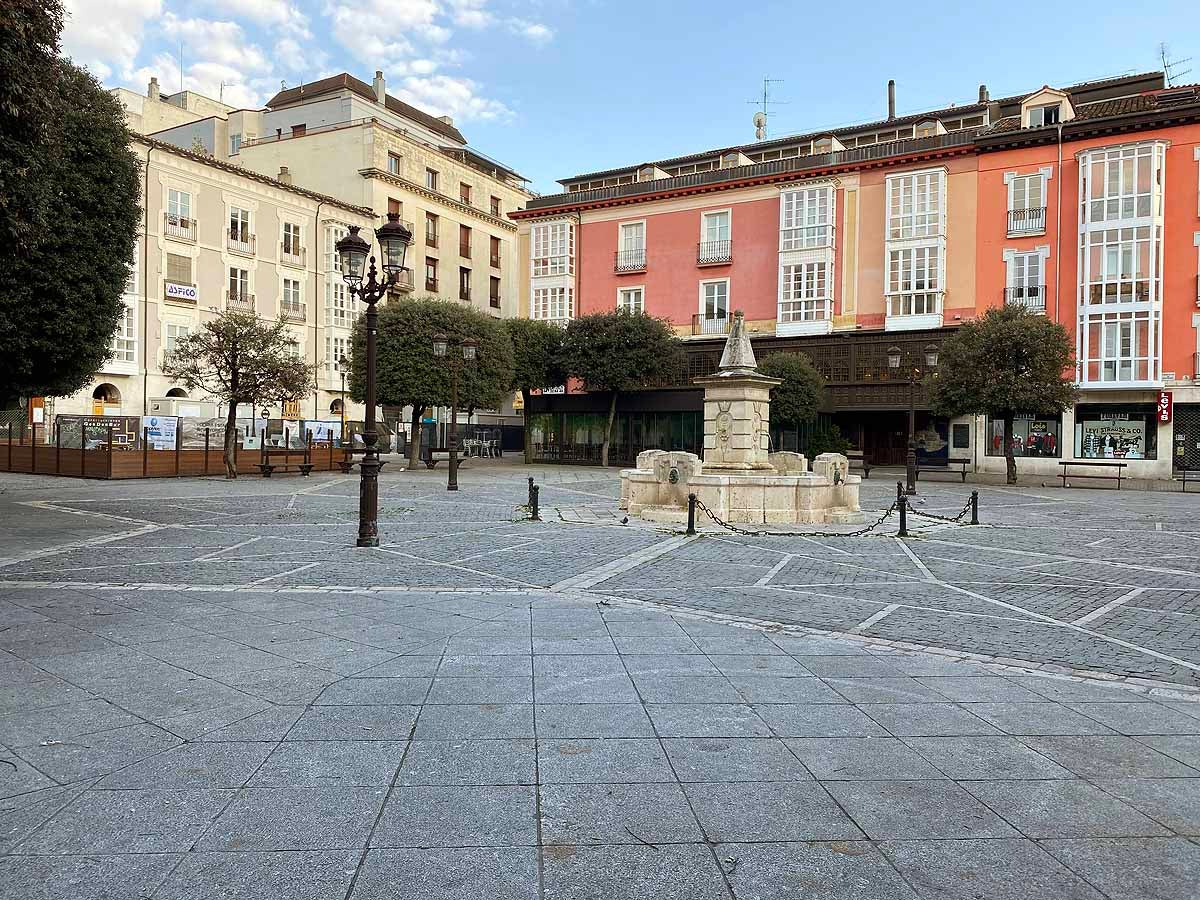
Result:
[737,421]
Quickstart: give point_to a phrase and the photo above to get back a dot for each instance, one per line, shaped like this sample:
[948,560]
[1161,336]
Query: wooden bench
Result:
[857,456]
[945,467]
[434,455]
[1093,463]
[266,467]
[1192,475]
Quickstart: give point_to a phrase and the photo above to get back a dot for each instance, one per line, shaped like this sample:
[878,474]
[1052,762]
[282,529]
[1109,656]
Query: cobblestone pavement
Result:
[207,691]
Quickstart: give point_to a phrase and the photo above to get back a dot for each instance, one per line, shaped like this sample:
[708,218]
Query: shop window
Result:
[1116,432]
[1035,436]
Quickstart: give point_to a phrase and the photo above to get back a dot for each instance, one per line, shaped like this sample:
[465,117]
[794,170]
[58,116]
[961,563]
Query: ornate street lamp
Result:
[441,348]
[343,364]
[915,374]
[362,280]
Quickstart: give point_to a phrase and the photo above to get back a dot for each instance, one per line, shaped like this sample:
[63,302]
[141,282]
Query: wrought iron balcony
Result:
[1026,221]
[239,300]
[714,253]
[1030,296]
[181,228]
[240,241]
[630,260]
[702,324]
[291,256]
[294,312]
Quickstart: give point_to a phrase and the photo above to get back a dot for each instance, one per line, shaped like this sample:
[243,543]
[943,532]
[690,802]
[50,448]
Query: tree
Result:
[239,358]
[620,351]
[1008,361]
[537,362]
[407,372]
[68,209]
[802,391]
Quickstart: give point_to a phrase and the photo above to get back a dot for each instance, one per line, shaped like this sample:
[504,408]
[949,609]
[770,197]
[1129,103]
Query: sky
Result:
[555,88]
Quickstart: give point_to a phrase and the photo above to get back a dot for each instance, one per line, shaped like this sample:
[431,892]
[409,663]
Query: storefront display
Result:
[1116,432]
[1037,436]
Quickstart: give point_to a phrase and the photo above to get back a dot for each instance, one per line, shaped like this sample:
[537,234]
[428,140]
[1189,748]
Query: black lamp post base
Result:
[372,541]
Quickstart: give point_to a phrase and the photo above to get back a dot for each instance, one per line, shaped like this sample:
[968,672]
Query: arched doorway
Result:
[335,408]
[177,392]
[106,400]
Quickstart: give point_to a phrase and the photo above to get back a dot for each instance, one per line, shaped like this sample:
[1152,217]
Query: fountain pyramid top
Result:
[738,356]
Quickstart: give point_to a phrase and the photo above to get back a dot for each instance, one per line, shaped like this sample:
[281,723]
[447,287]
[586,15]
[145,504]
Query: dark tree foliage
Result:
[802,391]
[1006,362]
[68,209]
[407,372]
[620,351]
[239,358]
[537,362]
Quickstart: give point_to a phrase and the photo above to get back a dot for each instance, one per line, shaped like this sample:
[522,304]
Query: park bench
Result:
[859,458]
[434,455]
[947,466]
[1066,464]
[288,462]
[1189,475]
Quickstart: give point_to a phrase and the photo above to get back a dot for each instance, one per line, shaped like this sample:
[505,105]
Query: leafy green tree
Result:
[620,351]
[826,440]
[537,362]
[802,389]
[1006,362]
[68,209]
[238,358]
[407,372]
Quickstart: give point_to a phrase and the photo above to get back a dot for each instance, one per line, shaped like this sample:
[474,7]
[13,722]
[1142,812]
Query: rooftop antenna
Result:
[221,92]
[1169,65]
[760,117]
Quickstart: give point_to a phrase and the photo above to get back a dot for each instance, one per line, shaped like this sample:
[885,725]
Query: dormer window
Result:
[1050,114]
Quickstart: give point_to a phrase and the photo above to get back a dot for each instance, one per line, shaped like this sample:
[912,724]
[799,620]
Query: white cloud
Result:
[534,31]
[106,37]
[263,12]
[223,43]
[444,95]
[471,13]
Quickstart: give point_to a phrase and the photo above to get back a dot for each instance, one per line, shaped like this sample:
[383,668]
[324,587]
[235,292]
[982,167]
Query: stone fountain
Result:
[740,479]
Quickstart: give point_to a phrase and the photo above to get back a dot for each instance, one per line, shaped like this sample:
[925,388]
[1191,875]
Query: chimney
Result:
[152,89]
[447,119]
[983,93]
[891,99]
[284,176]
[993,112]
[380,87]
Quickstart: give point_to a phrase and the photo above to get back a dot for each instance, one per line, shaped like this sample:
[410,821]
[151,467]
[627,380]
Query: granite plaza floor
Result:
[207,692]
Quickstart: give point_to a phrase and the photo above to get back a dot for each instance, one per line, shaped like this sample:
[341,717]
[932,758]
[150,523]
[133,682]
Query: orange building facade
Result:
[1082,204]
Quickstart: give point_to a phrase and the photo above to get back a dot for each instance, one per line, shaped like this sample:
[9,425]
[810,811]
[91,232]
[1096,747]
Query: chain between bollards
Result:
[902,506]
[533,501]
[691,529]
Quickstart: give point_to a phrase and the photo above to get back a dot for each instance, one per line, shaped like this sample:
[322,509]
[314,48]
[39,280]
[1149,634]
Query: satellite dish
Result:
[760,119]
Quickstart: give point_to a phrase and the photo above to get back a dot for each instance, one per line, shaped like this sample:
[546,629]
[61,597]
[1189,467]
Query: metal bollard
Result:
[974,507]
[691,529]
[530,501]
[902,501]
[533,503]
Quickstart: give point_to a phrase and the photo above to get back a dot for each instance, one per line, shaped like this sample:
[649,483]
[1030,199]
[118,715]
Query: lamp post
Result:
[353,252]
[441,347]
[343,363]
[915,373]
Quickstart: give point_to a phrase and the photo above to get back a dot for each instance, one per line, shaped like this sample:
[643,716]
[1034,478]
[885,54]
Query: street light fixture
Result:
[915,374]
[470,348]
[353,252]
[343,364]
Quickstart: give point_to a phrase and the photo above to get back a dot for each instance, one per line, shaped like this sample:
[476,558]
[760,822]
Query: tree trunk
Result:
[612,413]
[1009,460]
[231,441]
[414,446]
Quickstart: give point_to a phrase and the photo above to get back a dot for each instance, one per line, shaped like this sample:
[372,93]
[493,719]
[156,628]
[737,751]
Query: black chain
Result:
[756,533]
[956,520]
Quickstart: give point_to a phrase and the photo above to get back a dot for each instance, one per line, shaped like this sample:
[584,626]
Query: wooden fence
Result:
[23,451]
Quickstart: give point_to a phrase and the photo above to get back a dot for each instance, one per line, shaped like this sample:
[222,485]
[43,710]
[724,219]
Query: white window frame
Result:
[915,229]
[632,299]
[292,299]
[703,299]
[806,292]
[339,304]
[1037,114]
[806,217]
[172,333]
[297,233]
[1019,290]
[635,230]
[707,216]
[913,286]
[179,204]
[240,218]
[911,214]
[124,344]
[336,346]
[552,304]
[552,249]
[235,143]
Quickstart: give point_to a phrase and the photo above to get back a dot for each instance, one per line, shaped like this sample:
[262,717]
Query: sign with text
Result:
[161,431]
[187,292]
[1165,405]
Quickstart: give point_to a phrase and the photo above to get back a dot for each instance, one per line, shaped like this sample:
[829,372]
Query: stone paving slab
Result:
[981,712]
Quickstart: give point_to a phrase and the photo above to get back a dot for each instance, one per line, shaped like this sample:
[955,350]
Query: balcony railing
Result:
[630,260]
[1026,221]
[703,324]
[240,242]
[494,301]
[431,285]
[1030,296]
[714,253]
[294,312]
[180,227]
[239,300]
[404,282]
[494,261]
[293,256]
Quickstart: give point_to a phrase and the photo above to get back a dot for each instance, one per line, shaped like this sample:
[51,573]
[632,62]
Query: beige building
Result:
[217,237]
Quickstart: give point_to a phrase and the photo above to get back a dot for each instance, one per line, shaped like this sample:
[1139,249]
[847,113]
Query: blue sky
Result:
[558,87]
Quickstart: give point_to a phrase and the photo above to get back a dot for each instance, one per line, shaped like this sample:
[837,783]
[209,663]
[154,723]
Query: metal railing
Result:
[294,312]
[1030,296]
[181,227]
[293,257]
[239,299]
[431,285]
[702,324]
[1026,221]
[239,241]
[630,260]
[709,253]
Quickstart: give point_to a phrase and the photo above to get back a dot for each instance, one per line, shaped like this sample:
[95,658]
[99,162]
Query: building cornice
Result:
[422,191]
[1082,129]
